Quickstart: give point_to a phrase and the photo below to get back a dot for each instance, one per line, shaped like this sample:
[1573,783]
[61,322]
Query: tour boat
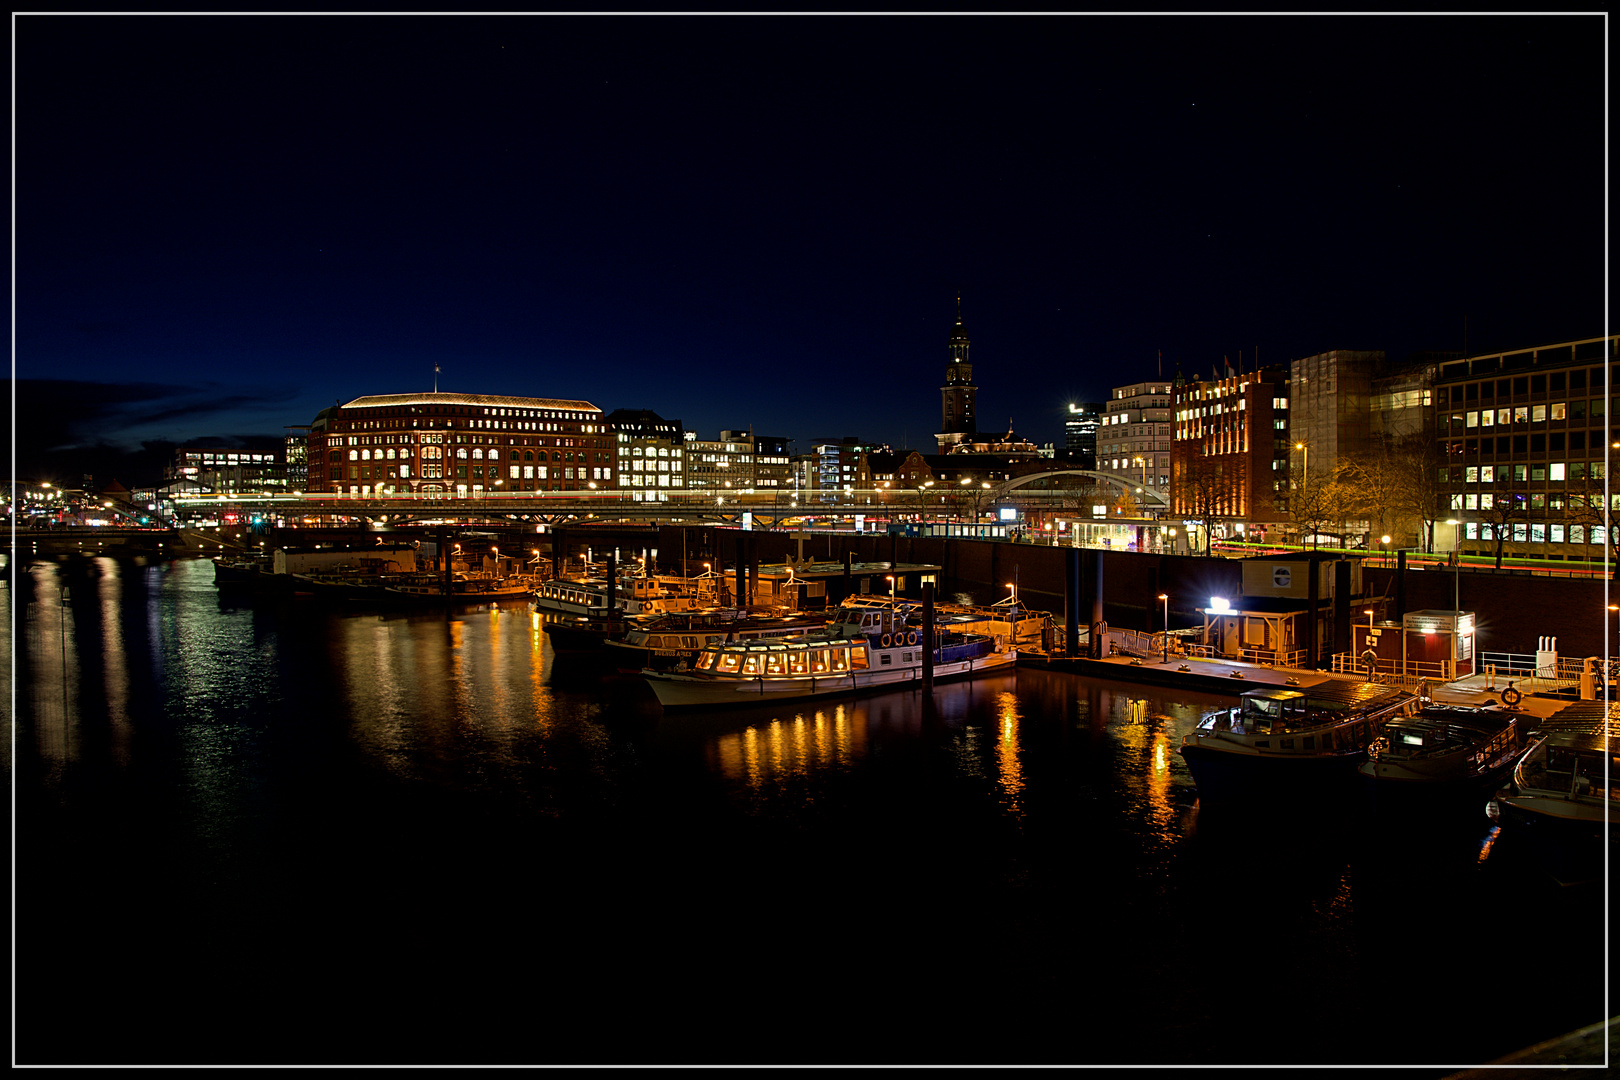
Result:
[676,641]
[588,597]
[1455,753]
[1294,739]
[464,589]
[634,594]
[865,647]
[1560,801]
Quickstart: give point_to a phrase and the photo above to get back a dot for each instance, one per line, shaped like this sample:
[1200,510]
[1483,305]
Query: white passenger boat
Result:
[1287,739]
[1561,802]
[865,647]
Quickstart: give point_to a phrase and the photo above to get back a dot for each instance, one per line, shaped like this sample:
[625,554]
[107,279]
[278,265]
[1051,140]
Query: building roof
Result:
[372,401]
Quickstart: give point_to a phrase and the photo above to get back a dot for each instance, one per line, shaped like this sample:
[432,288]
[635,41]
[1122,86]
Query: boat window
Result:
[858,656]
[689,642]
[705,661]
[728,662]
[751,666]
[1288,744]
[884,659]
[1589,774]
[818,661]
[1310,742]
[840,659]
[773,663]
[796,663]
[1262,742]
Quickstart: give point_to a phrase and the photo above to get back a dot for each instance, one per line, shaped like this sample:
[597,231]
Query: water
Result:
[262,832]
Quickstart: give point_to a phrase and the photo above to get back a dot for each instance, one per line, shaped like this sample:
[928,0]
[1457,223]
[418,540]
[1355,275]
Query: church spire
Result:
[959,417]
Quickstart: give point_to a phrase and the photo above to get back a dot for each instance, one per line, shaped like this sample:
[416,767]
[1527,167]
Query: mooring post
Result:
[1071,590]
[927,637]
[1097,608]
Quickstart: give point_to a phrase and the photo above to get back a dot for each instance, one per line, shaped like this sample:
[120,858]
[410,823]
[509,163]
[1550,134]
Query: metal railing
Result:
[1277,658]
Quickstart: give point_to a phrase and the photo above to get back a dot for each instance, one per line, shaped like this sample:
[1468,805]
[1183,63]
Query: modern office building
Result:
[1134,433]
[1523,438]
[837,465]
[223,470]
[1080,433]
[738,461]
[460,444]
[297,456]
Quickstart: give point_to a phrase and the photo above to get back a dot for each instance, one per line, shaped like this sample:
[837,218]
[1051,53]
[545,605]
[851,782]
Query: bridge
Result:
[1057,491]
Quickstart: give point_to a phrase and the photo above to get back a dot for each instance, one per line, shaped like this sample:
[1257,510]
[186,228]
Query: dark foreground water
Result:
[283,833]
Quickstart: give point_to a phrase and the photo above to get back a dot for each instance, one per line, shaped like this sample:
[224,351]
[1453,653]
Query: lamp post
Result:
[1607,664]
[1456,563]
[1305,472]
[1166,598]
[1385,541]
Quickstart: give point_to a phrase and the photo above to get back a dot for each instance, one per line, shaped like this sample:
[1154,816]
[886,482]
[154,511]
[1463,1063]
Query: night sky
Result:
[225,224]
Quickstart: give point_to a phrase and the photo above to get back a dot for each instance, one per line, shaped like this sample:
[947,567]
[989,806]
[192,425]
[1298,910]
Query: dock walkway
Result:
[1234,677]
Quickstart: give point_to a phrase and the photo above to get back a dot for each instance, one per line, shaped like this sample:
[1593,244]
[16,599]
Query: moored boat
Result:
[1450,753]
[471,588]
[865,647]
[1561,799]
[676,641]
[1291,740]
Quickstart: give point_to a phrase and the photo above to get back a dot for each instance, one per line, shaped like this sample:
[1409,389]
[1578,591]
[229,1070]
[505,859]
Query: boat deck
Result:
[1234,677]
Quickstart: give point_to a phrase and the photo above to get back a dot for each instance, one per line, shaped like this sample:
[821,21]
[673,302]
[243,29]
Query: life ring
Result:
[914,637]
[1511,696]
[885,641]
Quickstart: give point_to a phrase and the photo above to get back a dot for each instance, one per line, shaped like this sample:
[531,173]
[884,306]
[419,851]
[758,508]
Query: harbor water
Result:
[287,832]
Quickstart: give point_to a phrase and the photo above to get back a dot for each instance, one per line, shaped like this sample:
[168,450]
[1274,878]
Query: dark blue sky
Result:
[228,223]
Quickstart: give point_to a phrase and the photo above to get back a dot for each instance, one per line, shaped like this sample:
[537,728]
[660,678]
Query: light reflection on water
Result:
[268,757]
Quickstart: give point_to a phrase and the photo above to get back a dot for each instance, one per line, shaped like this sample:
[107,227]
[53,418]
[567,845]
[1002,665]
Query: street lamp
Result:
[890,579]
[1166,598]
[1456,563]
[1385,541]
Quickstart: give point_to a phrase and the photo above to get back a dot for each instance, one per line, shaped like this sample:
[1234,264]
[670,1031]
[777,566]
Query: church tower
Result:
[957,395]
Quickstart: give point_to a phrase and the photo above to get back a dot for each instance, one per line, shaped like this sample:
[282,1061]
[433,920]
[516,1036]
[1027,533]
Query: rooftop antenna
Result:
[435,378]
[1161,363]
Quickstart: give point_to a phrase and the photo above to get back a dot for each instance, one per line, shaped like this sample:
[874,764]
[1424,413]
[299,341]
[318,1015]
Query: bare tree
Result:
[1417,490]
[1200,486]
[1506,509]
[1314,505]
[1586,508]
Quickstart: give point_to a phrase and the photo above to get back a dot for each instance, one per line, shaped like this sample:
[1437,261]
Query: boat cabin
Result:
[1285,710]
[785,659]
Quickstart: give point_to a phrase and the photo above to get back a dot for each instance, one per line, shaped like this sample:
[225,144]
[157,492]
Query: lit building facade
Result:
[460,444]
[1133,434]
[1230,449]
[837,465]
[1080,433]
[222,470]
[651,454]
[737,461]
[297,456]
[1523,438]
